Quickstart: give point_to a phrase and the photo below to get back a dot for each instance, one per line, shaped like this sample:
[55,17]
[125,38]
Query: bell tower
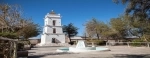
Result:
[52,31]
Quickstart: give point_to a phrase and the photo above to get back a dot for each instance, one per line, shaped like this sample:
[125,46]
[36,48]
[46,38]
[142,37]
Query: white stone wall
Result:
[59,30]
[43,39]
[50,30]
[59,37]
[50,21]
[45,21]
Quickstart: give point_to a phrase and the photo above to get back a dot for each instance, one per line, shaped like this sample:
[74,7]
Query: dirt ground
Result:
[116,52]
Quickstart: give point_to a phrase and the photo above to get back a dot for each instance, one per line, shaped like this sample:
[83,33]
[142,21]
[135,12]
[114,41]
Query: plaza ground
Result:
[116,52]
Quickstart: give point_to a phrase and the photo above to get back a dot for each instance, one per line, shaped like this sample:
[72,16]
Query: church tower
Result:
[52,31]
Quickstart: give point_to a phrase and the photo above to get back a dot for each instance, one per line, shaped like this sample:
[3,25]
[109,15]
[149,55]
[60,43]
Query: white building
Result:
[52,31]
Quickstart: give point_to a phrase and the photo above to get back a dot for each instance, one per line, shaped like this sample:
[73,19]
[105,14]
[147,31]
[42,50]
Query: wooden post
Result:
[128,44]
[106,43]
[93,44]
[76,41]
[148,44]
[15,50]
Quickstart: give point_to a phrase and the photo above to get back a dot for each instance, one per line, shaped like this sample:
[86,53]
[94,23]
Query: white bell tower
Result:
[52,31]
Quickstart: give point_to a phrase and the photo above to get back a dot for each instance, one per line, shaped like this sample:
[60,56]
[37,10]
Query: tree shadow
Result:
[131,56]
[46,54]
[33,49]
[31,52]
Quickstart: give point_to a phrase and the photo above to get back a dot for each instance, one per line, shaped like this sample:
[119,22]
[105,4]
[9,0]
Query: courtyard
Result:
[26,23]
[116,52]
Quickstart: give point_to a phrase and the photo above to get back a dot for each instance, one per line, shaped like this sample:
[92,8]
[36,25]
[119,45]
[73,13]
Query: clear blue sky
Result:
[72,11]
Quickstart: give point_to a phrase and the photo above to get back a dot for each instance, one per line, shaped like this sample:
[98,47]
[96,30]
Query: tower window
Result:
[54,22]
[54,30]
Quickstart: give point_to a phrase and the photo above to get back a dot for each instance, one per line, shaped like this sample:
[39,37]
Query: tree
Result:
[110,33]
[120,25]
[138,8]
[13,24]
[70,30]
[10,15]
[102,29]
[140,12]
[29,29]
[92,27]
[98,28]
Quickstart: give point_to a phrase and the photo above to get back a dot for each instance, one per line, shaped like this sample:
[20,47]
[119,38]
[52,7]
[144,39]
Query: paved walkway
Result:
[116,52]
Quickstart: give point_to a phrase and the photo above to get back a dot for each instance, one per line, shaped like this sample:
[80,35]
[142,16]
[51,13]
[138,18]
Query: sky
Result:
[77,12]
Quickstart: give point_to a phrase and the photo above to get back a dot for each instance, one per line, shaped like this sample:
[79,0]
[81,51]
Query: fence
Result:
[147,44]
[8,48]
[128,43]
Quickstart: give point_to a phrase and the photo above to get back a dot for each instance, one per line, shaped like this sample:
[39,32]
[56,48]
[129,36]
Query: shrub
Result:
[25,42]
[23,45]
[71,43]
[9,35]
[98,42]
[20,46]
[135,42]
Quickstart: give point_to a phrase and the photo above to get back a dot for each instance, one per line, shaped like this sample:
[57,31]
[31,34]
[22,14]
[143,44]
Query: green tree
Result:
[102,29]
[107,32]
[95,27]
[98,28]
[138,8]
[120,26]
[70,30]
